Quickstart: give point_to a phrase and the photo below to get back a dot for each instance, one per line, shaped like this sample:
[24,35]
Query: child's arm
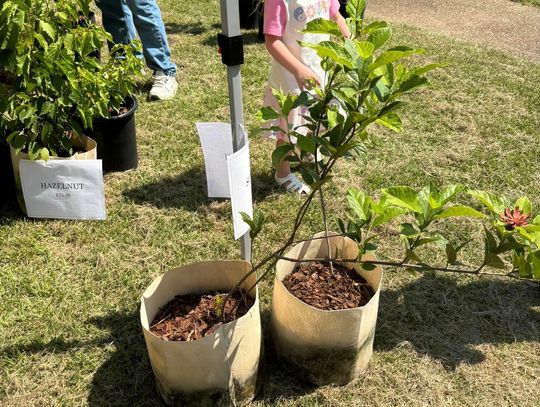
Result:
[286,59]
[340,21]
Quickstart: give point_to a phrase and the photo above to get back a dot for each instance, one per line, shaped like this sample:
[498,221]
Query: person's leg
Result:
[115,21]
[149,24]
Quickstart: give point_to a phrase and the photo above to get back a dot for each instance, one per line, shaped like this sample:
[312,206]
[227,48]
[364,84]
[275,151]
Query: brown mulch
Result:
[193,316]
[316,285]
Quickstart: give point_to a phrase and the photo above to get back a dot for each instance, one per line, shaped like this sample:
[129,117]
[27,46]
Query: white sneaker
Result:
[164,87]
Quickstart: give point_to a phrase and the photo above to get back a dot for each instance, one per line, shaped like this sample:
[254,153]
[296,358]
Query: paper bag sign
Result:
[63,189]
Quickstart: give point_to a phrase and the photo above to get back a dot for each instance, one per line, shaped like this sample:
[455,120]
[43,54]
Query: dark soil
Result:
[124,108]
[316,285]
[193,316]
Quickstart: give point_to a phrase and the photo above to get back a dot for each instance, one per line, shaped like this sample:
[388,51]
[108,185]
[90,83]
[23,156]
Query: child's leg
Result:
[284,168]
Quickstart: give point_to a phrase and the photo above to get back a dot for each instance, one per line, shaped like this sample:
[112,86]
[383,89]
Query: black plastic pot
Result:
[249,15]
[116,139]
[7,183]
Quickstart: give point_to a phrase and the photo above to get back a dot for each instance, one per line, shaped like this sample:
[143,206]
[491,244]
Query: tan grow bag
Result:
[84,143]
[323,347]
[221,367]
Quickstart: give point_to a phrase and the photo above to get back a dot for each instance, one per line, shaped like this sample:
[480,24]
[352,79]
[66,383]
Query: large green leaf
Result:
[322,26]
[359,203]
[524,204]
[389,57]
[391,121]
[355,9]
[365,48]
[267,113]
[332,50]
[493,203]
[280,153]
[379,37]
[404,197]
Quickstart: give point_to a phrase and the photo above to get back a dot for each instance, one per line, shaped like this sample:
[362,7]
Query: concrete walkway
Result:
[501,24]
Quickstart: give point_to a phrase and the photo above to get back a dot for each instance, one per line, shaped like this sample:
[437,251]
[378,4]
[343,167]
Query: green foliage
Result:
[419,211]
[366,86]
[58,85]
[256,224]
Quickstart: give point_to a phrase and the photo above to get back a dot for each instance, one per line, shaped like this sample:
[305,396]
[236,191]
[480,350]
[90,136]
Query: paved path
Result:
[502,24]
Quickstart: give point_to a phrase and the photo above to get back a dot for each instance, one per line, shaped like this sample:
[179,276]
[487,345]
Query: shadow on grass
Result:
[126,378]
[191,28]
[188,191]
[446,320]
[248,38]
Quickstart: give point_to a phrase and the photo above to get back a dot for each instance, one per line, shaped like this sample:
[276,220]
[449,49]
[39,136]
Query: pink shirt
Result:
[275,14]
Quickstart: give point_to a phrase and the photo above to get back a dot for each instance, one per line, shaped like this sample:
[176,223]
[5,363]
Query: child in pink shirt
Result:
[294,66]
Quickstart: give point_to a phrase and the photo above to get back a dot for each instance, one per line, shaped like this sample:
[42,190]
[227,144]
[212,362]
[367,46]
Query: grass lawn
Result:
[531,2]
[69,291]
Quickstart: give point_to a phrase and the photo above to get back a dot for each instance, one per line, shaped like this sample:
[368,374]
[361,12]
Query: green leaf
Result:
[494,261]
[404,197]
[267,113]
[379,37]
[459,210]
[391,121]
[524,204]
[48,29]
[322,26]
[355,9]
[412,83]
[389,57]
[306,144]
[492,202]
[365,48]
[359,203]
[255,224]
[408,230]
[332,50]
[280,153]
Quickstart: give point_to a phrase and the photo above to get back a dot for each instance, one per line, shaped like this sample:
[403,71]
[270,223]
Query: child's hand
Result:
[305,77]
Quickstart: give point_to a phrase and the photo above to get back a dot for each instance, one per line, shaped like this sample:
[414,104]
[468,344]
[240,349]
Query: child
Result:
[293,66]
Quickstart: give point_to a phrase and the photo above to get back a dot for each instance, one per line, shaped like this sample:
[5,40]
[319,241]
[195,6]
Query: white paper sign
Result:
[63,189]
[239,171]
[216,142]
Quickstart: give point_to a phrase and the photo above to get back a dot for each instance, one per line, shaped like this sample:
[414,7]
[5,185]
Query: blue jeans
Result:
[123,19]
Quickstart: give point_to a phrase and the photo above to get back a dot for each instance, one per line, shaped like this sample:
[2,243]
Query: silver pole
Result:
[230,26]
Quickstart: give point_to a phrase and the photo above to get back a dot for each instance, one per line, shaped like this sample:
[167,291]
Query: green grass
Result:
[69,330]
[529,2]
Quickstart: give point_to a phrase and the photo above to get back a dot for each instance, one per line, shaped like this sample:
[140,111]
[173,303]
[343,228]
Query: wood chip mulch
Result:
[316,285]
[193,316]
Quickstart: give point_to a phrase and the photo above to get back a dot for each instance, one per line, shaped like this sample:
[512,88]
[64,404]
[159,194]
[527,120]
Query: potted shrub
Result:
[200,353]
[57,86]
[323,320]
[114,128]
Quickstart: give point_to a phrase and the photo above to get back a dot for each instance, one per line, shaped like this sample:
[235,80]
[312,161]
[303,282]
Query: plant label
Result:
[239,171]
[216,142]
[63,189]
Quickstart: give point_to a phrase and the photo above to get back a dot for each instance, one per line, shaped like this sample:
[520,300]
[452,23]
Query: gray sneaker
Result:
[164,87]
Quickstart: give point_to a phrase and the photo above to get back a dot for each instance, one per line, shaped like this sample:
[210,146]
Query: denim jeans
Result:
[123,19]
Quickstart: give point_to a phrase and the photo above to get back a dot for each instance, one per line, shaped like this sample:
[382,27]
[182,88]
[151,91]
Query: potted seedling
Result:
[201,351]
[326,288]
[114,128]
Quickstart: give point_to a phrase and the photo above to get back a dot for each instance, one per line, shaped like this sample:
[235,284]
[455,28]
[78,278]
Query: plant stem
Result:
[417,267]
[323,209]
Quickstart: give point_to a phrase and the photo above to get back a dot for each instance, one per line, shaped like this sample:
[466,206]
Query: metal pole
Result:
[230,26]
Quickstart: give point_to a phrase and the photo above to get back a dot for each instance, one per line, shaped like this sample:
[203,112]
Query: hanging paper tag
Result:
[238,168]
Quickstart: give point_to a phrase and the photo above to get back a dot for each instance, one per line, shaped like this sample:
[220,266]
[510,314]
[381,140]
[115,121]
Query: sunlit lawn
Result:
[69,291]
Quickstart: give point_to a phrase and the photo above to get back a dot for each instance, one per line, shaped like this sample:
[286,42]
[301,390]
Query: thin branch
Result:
[417,267]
